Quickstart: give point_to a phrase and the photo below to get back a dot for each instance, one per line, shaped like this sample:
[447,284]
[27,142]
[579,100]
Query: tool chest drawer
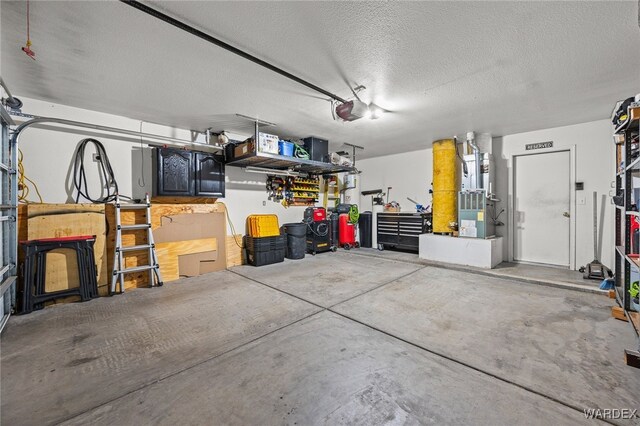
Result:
[402,229]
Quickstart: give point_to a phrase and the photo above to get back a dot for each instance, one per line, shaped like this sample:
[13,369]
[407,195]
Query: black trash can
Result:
[296,240]
[334,229]
[365,223]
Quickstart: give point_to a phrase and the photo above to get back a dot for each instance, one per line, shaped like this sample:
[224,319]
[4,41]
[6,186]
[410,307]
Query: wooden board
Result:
[618,313]
[183,228]
[182,200]
[168,254]
[23,231]
[23,215]
[159,212]
[64,220]
[635,319]
[235,254]
[53,220]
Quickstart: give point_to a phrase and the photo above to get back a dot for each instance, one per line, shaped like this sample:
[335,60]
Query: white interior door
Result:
[542,206]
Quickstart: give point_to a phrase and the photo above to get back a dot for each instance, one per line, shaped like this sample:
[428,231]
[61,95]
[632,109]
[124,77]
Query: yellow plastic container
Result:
[263,225]
[445,184]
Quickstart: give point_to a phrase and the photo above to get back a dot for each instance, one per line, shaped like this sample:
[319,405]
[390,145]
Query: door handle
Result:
[566,214]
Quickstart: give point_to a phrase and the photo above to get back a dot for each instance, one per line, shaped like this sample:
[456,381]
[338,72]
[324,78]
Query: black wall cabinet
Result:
[187,173]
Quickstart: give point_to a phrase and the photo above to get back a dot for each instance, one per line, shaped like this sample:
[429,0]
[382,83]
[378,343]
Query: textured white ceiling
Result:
[442,67]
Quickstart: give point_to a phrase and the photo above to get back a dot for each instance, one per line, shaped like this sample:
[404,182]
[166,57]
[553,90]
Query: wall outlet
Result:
[264,203]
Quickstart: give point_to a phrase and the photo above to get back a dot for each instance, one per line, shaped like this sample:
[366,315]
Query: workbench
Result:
[402,230]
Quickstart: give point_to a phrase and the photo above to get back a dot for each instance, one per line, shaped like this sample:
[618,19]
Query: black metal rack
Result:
[281,162]
[625,261]
[266,160]
[8,218]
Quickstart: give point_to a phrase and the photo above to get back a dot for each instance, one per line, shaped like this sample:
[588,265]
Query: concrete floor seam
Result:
[511,278]
[335,304]
[438,354]
[175,373]
[464,364]
[277,289]
[376,288]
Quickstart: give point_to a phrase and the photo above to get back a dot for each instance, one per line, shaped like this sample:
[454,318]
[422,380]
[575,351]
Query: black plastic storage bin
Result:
[265,250]
[317,148]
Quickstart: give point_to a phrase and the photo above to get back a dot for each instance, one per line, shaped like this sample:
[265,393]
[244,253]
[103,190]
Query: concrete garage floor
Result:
[534,274]
[332,339]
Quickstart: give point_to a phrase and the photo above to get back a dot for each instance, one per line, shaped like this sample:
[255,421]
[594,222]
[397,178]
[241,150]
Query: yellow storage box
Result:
[263,225]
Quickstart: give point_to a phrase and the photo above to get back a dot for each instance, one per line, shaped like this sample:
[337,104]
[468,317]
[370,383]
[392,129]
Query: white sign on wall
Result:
[539,145]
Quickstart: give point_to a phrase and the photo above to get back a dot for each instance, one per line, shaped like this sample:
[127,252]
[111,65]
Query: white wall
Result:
[49,155]
[595,166]
[410,175]
[48,160]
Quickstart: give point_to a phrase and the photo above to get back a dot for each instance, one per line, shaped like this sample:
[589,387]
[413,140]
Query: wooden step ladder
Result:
[119,271]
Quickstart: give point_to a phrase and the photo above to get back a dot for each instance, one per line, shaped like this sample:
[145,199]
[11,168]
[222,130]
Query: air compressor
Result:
[347,226]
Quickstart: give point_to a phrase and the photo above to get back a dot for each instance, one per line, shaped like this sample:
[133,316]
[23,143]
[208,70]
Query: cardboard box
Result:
[192,265]
[182,229]
[268,143]
[244,148]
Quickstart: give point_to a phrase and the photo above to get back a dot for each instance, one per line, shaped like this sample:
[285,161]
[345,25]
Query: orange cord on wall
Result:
[233,229]
[23,187]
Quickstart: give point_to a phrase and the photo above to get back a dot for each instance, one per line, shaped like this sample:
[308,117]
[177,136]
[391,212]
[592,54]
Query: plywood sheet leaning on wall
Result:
[182,258]
[187,233]
[65,220]
[235,252]
[162,214]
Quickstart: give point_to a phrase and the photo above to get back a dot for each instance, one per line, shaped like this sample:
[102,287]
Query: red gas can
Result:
[346,232]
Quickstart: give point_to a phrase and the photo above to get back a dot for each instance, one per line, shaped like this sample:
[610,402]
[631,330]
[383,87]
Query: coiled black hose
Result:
[319,233]
[106,173]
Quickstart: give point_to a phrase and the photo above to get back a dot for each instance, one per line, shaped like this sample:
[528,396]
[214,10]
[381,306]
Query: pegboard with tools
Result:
[293,191]
[276,188]
[302,191]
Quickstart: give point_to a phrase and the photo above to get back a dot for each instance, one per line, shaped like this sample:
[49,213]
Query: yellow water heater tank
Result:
[445,185]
